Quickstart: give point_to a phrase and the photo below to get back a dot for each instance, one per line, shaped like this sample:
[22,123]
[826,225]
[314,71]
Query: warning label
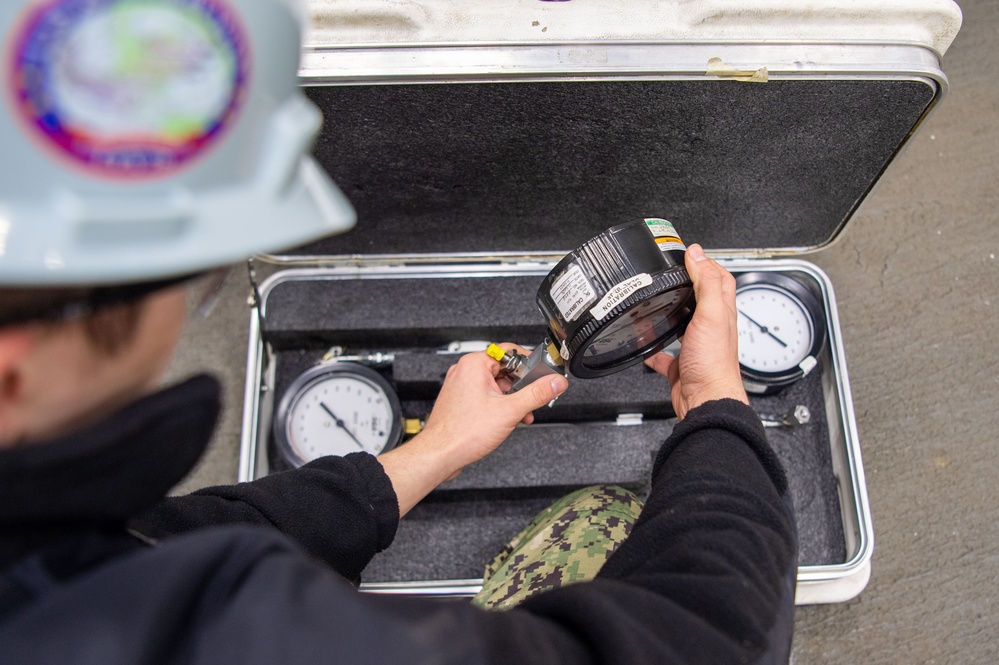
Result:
[572,292]
[666,236]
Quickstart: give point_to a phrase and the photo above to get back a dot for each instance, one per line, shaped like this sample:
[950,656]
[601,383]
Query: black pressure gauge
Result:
[781,330]
[337,408]
[618,298]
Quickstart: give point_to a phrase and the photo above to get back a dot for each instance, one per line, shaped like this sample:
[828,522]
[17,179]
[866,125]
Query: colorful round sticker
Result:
[130,88]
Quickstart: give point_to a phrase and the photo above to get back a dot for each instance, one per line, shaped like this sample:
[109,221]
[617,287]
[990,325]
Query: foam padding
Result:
[567,455]
[453,539]
[393,313]
[437,542]
[455,530]
[806,456]
[545,166]
[634,390]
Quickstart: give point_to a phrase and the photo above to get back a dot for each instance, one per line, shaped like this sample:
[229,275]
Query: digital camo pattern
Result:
[567,542]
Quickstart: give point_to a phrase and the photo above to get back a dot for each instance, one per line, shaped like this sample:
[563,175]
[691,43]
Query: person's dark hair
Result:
[113,327]
[109,317]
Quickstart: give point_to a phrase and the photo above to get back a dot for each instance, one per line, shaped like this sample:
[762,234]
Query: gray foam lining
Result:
[393,313]
[634,390]
[457,528]
[544,166]
[567,455]
[442,540]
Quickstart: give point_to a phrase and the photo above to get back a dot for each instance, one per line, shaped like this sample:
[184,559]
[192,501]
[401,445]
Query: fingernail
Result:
[696,252]
[559,384]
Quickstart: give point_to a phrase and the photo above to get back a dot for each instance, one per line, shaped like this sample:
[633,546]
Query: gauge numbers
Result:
[337,409]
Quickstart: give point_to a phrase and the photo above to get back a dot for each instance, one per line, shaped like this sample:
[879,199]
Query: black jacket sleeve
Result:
[344,510]
[707,575]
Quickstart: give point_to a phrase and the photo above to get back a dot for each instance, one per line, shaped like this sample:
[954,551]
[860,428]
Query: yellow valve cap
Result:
[495,352]
[411,426]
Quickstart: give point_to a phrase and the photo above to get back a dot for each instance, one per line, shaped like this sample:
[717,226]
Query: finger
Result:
[660,362]
[510,346]
[535,395]
[694,257]
[673,373]
[494,364]
[708,278]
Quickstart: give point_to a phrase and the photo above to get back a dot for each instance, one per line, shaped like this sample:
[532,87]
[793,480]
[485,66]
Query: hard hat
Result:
[145,139]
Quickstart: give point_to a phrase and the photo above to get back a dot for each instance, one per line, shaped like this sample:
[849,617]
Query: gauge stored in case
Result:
[618,298]
[337,408]
[781,330]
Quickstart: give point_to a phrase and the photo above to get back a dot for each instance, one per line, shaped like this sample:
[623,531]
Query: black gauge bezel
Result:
[680,320]
[773,381]
[621,253]
[317,373]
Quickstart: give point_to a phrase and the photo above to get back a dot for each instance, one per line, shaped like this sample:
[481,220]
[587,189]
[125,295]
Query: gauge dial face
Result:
[775,329]
[338,412]
[632,332]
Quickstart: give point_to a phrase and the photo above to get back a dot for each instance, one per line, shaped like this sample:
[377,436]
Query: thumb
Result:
[695,254]
[541,392]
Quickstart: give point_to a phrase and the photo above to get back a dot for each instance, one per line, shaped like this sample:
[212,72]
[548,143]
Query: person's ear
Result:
[16,343]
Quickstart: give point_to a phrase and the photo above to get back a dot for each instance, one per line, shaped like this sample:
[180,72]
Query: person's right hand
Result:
[707,367]
[472,416]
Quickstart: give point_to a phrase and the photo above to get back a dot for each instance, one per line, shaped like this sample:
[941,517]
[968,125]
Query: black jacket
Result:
[707,575]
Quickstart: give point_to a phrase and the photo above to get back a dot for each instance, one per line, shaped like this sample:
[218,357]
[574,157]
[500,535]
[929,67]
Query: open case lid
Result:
[754,127]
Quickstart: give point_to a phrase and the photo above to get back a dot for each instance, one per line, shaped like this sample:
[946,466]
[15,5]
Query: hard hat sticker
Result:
[129,88]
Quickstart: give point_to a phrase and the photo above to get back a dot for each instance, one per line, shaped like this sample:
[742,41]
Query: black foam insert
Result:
[453,533]
[455,530]
[373,313]
[567,455]
[544,166]
[805,453]
[634,390]
[453,538]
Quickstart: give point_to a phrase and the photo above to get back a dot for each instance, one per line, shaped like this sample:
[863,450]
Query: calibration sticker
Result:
[619,293]
[129,88]
[666,236]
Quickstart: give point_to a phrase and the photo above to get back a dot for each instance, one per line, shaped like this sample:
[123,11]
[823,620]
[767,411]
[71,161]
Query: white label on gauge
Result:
[666,236]
[618,293]
[572,292]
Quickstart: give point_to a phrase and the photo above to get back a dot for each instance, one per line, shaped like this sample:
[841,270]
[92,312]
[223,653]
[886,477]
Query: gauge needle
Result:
[340,424]
[763,329]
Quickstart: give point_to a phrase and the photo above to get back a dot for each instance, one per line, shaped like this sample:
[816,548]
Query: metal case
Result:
[721,64]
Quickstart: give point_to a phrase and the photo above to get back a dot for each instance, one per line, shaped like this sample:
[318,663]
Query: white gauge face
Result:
[636,329]
[775,330]
[338,414]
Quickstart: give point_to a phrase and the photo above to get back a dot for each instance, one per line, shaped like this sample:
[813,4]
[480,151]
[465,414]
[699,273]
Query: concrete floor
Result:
[916,274]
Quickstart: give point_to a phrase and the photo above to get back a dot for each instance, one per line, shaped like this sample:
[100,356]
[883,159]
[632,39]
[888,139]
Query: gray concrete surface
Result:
[917,278]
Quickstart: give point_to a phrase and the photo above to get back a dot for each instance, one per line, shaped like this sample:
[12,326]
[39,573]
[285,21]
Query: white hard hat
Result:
[145,139]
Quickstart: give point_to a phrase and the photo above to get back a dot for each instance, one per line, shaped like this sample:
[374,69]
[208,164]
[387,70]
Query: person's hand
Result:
[707,367]
[471,418]
[473,414]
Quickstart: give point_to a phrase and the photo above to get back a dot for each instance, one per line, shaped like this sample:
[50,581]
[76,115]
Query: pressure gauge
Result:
[781,330]
[337,408]
[618,298]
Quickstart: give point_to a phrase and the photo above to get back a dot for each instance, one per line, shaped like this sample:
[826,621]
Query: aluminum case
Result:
[732,59]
